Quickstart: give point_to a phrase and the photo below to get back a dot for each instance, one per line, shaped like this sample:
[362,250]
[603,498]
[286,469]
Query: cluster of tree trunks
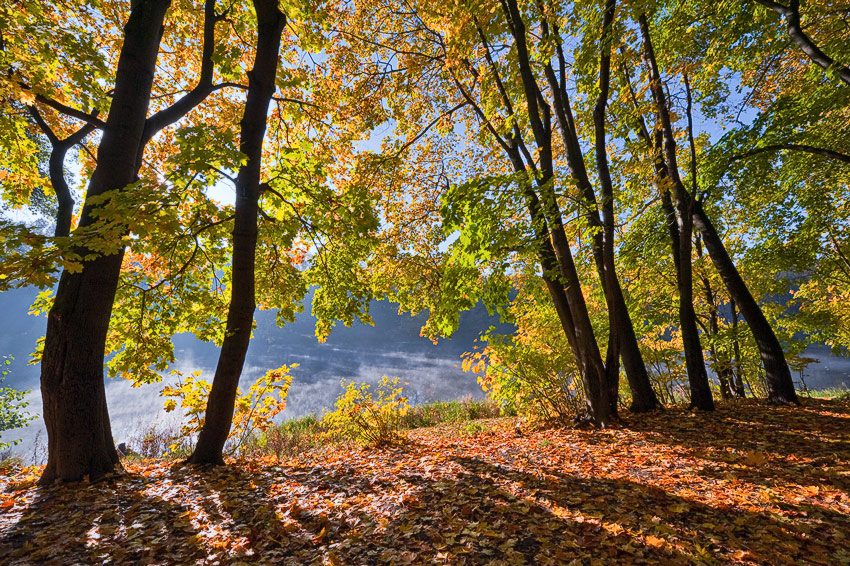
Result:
[80,443]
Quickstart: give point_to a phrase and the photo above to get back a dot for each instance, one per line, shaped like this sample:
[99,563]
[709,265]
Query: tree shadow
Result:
[100,523]
[700,533]
[764,445]
[491,499]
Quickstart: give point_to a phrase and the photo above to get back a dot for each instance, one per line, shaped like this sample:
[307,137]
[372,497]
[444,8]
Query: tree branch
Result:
[204,88]
[69,111]
[803,41]
[828,153]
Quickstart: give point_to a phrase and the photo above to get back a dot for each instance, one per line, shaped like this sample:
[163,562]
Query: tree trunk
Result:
[697,376]
[723,368]
[539,113]
[780,386]
[240,316]
[80,440]
[622,341]
[736,353]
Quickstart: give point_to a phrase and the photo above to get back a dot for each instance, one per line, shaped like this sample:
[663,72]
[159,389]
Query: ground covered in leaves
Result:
[748,484]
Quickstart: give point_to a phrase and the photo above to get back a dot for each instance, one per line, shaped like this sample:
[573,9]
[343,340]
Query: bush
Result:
[12,405]
[9,463]
[359,417]
[535,379]
[253,412]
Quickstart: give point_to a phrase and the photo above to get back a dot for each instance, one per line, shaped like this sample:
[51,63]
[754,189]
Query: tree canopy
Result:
[654,192]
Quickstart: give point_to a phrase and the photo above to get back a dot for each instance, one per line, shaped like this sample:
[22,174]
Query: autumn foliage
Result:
[652,194]
[747,485]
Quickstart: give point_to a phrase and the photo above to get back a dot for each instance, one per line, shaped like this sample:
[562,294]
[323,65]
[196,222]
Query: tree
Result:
[622,338]
[79,435]
[681,236]
[240,316]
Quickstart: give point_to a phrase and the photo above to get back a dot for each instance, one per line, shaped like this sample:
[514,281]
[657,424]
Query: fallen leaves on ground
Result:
[747,484]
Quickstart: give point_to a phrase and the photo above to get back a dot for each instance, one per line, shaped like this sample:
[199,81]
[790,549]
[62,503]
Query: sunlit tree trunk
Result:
[587,355]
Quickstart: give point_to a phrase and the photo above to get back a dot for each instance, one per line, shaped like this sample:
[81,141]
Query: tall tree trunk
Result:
[620,323]
[539,113]
[622,340]
[780,386]
[778,374]
[736,353]
[722,367]
[80,440]
[240,315]
[697,375]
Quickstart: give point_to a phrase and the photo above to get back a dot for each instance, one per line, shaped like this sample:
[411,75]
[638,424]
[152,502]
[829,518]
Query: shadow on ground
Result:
[746,485]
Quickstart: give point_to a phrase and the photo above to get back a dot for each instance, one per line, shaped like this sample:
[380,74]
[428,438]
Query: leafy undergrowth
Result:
[746,485]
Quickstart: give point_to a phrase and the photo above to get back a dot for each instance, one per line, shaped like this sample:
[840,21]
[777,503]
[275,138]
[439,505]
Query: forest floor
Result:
[748,484]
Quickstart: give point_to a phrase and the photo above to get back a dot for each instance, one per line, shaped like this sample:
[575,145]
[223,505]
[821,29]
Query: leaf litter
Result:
[748,484]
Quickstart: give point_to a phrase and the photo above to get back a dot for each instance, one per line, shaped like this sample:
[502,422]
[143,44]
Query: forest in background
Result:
[647,190]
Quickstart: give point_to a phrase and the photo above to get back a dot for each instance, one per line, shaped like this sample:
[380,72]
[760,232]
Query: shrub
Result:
[156,441]
[253,412]
[535,379]
[12,405]
[358,416]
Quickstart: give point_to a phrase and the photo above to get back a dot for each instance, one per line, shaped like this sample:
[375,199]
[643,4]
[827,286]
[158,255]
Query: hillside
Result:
[747,484]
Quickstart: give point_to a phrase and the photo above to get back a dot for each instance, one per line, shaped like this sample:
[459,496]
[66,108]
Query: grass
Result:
[295,436]
[448,412]
[839,393]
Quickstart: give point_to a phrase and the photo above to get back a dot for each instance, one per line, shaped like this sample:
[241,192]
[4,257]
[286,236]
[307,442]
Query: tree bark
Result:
[588,356]
[622,338]
[722,368]
[240,316]
[780,386]
[625,340]
[697,375]
[80,440]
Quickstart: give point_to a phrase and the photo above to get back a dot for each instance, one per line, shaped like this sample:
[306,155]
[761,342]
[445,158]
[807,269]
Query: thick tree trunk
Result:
[240,316]
[779,383]
[80,440]
[697,375]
